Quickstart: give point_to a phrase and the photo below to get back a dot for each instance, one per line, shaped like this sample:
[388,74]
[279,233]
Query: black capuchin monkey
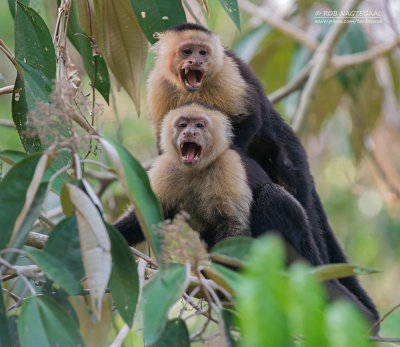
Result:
[225,192]
[191,64]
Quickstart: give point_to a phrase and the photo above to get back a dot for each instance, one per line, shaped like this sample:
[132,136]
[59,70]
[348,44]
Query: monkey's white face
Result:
[191,137]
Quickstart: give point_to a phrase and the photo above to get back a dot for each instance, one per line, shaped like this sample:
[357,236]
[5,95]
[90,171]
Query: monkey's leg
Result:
[275,209]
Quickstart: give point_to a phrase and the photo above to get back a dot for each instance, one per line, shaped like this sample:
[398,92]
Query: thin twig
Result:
[292,86]
[383,318]
[7,90]
[6,123]
[144,257]
[277,22]
[16,270]
[384,339]
[320,61]
[123,333]
[36,240]
[190,10]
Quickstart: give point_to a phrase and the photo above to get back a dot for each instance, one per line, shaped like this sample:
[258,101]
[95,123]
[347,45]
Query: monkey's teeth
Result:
[198,84]
[186,71]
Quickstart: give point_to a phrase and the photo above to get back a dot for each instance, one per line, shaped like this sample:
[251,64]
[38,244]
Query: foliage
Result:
[85,263]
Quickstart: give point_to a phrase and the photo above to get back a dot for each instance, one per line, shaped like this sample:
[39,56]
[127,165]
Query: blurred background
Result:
[351,134]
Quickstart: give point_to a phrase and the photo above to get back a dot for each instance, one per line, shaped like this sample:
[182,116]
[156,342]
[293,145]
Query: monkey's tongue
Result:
[191,152]
[192,78]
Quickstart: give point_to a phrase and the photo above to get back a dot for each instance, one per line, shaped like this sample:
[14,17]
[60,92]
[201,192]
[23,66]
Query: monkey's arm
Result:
[128,225]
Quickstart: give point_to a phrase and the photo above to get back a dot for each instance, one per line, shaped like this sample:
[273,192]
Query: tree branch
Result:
[7,90]
[285,27]
[6,123]
[320,61]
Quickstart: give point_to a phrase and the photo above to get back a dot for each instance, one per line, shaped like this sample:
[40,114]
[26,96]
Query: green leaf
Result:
[345,326]
[158,297]
[226,278]
[331,271]
[82,44]
[155,16]
[232,251]
[124,281]
[13,189]
[248,45]
[175,334]
[123,44]
[232,9]
[5,338]
[12,157]
[135,181]
[34,51]
[12,4]
[56,271]
[227,320]
[307,305]
[263,295]
[65,236]
[42,322]
[33,42]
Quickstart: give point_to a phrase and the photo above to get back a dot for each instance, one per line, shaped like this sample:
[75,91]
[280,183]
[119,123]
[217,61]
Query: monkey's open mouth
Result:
[190,152]
[191,78]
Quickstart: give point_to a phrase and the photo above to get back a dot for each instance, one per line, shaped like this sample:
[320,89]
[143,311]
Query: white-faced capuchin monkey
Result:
[191,64]
[225,192]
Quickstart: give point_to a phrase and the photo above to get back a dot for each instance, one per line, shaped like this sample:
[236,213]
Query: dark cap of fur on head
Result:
[189,26]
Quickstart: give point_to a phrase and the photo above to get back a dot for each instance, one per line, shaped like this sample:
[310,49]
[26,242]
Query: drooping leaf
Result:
[56,271]
[42,322]
[175,334]
[65,237]
[232,251]
[5,338]
[168,283]
[232,9]
[34,51]
[262,296]
[13,189]
[331,271]
[155,16]
[95,246]
[122,43]
[135,181]
[124,281]
[82,44]
[22,222]
[12,4]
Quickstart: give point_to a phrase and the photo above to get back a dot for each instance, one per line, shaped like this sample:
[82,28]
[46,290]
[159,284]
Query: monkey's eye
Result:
[186,51]
[182,125]
[199,125]
[203,52]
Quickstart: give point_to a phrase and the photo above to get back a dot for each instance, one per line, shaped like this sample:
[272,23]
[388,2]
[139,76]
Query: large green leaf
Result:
[82,44]
[175,334]
[135,180]
[345,326]
[56,271]
[65,236]
[263,296]
[13,189]
[158,297]
[158,15]
[5,338]
[223,276]
[42,322]
[33,42]
[232,251]
[307,304]
[232,9]
[34,51]
[124,281]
